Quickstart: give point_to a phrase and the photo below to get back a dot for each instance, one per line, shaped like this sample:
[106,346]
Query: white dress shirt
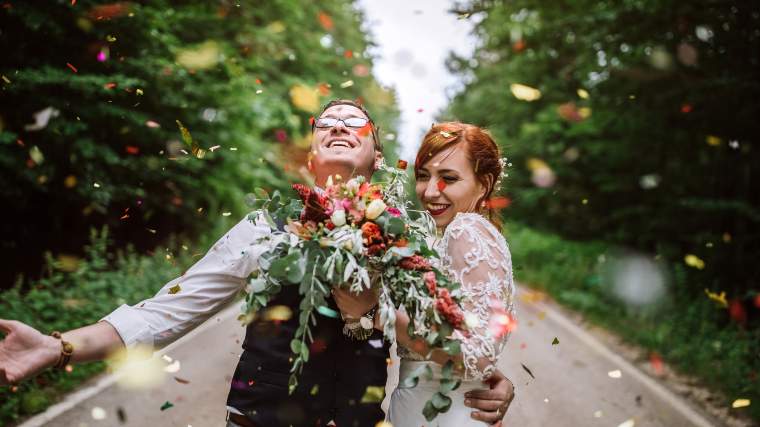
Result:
[205,288]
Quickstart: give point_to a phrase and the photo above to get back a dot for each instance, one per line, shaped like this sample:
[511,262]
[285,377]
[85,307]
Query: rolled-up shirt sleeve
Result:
[202,291]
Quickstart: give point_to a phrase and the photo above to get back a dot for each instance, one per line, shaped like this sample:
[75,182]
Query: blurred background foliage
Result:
[632,124]
[94,94]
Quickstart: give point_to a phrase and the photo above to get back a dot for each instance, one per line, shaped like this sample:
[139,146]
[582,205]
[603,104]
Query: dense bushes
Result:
[93,95]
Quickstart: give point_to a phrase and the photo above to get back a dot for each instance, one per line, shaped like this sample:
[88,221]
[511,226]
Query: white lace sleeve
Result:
[476,255]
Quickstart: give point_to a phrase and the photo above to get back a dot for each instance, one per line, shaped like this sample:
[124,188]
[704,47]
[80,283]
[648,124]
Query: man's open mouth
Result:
[335,143]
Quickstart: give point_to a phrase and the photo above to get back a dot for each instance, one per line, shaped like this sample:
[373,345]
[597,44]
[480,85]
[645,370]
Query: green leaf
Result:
[452,347]
[429,411]
[295,346]
[441,402]
[447,370]
[448,385]
[305,353]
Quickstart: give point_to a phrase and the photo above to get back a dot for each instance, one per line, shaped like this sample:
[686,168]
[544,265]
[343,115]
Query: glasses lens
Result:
[326,122]
[355,122]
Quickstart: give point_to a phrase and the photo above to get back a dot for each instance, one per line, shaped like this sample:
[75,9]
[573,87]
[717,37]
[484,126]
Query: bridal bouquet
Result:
[358,235]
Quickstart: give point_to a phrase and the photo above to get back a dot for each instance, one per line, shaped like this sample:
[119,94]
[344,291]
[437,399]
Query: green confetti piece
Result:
[556,341]
[166,405]
[326,311]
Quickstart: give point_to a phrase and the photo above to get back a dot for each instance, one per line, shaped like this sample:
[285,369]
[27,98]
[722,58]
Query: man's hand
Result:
[25,351]
[354,306]
[492,403]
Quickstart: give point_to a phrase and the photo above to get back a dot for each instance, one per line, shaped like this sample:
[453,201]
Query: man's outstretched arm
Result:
[177,308]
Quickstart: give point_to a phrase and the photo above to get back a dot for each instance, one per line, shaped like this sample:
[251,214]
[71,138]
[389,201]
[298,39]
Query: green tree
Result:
[119,81]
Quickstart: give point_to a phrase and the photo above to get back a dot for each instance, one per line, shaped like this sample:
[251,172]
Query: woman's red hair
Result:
[481,150]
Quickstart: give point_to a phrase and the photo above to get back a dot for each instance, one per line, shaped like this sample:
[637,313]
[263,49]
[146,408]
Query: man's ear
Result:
[378,160]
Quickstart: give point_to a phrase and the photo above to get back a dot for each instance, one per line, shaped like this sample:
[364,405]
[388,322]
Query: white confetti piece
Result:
[615,374]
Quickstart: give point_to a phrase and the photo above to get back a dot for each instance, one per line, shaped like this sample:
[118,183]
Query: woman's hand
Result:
[353,306]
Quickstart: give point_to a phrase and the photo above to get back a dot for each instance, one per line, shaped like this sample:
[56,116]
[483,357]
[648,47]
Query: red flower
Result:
[315,204]
[371,233]
[394,212]
[429,278]
[414,262]
[448,308]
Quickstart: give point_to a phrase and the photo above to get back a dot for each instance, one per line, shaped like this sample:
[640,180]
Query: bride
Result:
[457,169]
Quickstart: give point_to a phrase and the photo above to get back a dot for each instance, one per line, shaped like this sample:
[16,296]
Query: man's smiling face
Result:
[340,149]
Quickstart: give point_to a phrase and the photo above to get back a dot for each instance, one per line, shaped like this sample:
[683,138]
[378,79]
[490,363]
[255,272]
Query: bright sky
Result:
[414,38]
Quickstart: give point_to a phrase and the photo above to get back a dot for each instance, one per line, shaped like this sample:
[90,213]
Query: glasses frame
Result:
[314,125]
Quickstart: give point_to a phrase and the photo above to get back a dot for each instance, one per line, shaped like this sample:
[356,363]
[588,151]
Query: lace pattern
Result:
[474,253]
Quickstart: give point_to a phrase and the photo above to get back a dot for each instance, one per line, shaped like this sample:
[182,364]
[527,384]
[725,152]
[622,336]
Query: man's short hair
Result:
[375,129]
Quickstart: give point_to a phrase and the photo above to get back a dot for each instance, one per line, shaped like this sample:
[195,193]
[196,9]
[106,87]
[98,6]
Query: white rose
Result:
[338,217]
[375,208]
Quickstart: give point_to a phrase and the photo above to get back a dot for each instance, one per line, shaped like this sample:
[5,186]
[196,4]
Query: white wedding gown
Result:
[474,253]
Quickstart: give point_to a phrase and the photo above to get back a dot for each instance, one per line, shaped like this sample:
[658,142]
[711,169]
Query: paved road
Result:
[572,384]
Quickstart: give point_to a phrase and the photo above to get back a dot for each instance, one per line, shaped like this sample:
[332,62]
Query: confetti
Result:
[173,368]
[383,424]
[655,361]
[166,405]
[598,414]
[719,298]
[498,202]
[528,371]
[190,142]
[36,155]
[686,108]
[694,261]
[348,54]
[174,289]
[555,341]
[278,313]
[98,413]
[137,369]
[151,230]
[226,213]
[121,414]
[216,147]
[582,93]
[524,93]
[96,185]
[152,124]
[373,394]
[737,312]
[365,130]
[741,403]
[402,164]
[314,390]
[110,38]
[326,311]
[42,118]
[73,68]
[201,57]
[440,185]
[628,423]
[5,79]
[139,92]
[615,374]
[419,110]
[304,97]
[131,149]
[325,21]
[103,55]
[347,83]
[713,140]
[110,85]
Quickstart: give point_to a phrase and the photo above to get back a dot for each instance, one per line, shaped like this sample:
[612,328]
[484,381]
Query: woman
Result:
[457,170]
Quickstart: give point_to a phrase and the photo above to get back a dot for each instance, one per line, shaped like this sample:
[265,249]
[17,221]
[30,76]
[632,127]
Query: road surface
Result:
[576,382]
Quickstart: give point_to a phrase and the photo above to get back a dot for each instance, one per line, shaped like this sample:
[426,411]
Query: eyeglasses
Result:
[351,122]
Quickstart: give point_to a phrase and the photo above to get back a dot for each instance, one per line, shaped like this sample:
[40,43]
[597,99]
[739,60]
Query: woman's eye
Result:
[422,177]
[450,179]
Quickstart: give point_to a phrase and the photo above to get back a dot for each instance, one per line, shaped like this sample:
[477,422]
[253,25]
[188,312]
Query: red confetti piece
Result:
[73,2]
[523,346]
[73,68]
[348,54]
[311,121]
[737,312]
[258,81]
[519,46]
[365,130]
[181,380]
[498,202]
[251,382]
[20,143]
[440,185]
[325,21]
[110,85]
[131,149]
[686,108]
[401,164]
[656,362]
[419,110]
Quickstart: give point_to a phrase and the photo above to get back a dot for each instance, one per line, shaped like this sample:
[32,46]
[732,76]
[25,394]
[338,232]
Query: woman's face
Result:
[446,185]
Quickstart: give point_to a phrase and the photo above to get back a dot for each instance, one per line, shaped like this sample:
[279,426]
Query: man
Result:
[340,369]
